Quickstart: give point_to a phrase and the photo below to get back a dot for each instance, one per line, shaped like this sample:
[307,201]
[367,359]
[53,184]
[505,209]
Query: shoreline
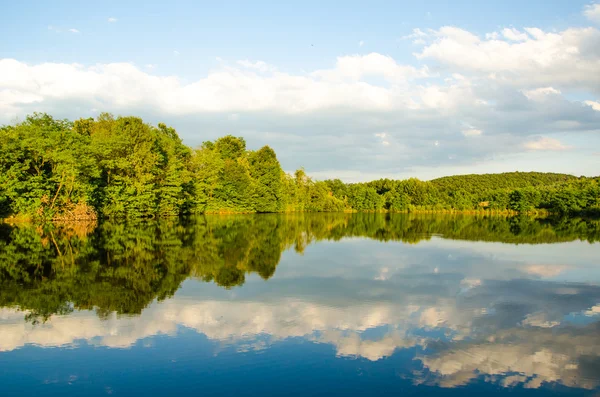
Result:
[95,219]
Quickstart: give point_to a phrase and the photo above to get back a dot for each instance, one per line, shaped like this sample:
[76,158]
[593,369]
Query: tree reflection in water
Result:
[123,267]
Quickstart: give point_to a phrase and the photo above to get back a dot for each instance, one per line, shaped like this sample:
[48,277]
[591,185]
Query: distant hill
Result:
[475,183]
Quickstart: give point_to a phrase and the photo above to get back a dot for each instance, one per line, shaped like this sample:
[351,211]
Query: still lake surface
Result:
[301,304]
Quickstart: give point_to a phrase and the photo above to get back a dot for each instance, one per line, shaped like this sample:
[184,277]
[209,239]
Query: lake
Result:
[301,304]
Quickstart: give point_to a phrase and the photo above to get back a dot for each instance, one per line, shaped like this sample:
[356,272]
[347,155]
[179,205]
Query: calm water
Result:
[314,304]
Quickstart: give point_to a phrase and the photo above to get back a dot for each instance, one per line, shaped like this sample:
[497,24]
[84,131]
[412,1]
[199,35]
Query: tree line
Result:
[122,167]
[123,266]
[511,192]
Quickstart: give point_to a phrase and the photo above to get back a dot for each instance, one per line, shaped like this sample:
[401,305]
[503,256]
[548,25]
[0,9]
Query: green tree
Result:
[266,174]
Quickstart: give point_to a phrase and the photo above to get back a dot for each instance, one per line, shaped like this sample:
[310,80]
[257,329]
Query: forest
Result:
[123,266]
[122,167]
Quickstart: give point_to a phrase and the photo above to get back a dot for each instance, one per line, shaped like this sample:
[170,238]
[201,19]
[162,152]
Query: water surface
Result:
[301,304]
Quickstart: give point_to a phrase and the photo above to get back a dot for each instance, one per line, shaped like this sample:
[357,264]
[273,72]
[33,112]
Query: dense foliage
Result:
[507,192]
[122,167]
[122,267]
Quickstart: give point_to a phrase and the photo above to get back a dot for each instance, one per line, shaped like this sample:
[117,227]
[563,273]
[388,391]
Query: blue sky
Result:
[281,33]
[356,90]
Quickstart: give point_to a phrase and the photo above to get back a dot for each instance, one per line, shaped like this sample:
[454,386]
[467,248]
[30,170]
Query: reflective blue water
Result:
[425,311]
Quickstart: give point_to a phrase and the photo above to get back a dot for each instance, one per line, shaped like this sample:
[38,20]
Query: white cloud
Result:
[594,104]
[176,53]
[545,143]
[545,271]
[357,67]
[592,12]
[226,322]
[535,353]
[540,319]
[567,59]
[593,311]
[112,20]
[433,317]
[417,36]
[472,132]
[260,66]
[361,43]
[541,94]
[514,35]
[149,66]
[73,30]
[223,90]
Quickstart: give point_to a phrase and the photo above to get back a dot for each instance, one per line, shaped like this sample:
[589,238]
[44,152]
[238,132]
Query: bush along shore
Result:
[122,167]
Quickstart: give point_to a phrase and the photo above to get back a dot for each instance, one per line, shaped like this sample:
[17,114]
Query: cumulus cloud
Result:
[226,322]
[357,67]
[225,89]
[73,30]
[361,43]
[112,20]
[537,354]
[528,58]
[593,311]
[594,104]
[540,94]
[545,143]
[514,35]
[592,12]
[540,319]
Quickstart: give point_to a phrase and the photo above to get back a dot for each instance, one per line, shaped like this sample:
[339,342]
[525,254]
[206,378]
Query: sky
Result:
[352,90]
